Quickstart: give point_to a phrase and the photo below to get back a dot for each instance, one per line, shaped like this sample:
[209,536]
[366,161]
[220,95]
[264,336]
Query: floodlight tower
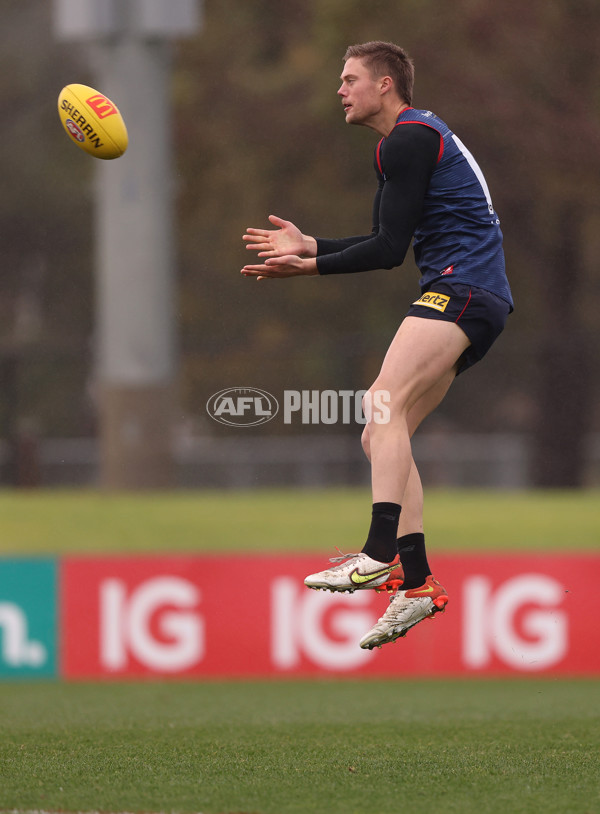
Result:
[130,47]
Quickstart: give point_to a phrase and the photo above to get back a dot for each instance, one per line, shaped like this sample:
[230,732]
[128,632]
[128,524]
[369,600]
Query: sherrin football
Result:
[92,121]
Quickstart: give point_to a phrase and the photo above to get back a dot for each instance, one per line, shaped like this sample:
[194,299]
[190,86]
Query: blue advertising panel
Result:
[28,618]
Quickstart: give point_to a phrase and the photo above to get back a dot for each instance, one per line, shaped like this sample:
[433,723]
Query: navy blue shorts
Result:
[481,315]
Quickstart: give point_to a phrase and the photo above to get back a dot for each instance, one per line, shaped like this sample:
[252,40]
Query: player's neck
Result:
[386,121]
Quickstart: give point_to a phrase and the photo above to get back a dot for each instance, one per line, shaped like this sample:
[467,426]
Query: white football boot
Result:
[356,571]
[406,609]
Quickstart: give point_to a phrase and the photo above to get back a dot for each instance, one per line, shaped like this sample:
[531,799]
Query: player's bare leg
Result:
[350,572]
[411,518]
[421,360]
[417,372]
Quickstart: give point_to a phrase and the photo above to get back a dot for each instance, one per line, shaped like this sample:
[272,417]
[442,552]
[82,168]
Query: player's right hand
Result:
[286,239]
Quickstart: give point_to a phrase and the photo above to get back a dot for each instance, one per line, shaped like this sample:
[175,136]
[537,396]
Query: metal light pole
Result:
[130,50]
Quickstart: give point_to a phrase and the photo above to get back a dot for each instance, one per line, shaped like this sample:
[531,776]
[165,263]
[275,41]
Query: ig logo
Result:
[320,627]
[521,623]
[158,624]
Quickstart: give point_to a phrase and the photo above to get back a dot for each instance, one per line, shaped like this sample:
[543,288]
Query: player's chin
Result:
[352,118]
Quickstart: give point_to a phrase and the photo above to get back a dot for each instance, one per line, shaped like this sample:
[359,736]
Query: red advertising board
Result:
[243,616]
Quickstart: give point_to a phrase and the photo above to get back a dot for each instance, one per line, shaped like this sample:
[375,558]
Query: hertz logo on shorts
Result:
[433,300]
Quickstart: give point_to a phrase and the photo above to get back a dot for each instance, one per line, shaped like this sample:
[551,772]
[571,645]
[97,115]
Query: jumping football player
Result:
[431,191]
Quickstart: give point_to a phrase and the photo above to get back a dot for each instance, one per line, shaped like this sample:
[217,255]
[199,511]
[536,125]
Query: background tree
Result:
[520,86]
[258,130]
[46,282]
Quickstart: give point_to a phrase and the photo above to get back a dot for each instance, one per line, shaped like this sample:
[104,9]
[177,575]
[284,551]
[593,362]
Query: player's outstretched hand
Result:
[279,267]
[286,239]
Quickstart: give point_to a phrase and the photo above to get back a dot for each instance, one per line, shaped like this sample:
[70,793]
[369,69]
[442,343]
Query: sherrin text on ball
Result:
[92,121]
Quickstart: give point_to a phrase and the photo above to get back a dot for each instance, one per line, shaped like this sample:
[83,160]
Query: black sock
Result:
[413,557]
[381,542]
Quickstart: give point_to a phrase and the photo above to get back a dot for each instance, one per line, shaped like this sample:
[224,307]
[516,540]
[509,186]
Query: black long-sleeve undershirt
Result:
[408,156]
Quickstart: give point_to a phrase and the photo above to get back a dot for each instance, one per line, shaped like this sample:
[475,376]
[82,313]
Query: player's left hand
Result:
[279,267]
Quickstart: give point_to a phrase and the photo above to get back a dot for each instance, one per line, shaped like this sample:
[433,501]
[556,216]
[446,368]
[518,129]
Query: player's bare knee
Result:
[382,405]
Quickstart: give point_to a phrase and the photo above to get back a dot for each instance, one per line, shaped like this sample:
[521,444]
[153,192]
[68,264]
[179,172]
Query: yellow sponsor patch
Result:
[433,300]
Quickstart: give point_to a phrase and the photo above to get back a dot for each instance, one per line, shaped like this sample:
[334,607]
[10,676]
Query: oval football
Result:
[92,121]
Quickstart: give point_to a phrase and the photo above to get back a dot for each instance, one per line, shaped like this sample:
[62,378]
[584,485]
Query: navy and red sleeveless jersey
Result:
[458,236]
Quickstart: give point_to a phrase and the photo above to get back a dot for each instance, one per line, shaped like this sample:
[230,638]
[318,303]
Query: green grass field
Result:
[297,747]
[287,520]
[302,747]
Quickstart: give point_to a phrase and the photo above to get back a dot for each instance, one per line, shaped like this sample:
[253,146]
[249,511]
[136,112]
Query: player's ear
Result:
[386,84]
